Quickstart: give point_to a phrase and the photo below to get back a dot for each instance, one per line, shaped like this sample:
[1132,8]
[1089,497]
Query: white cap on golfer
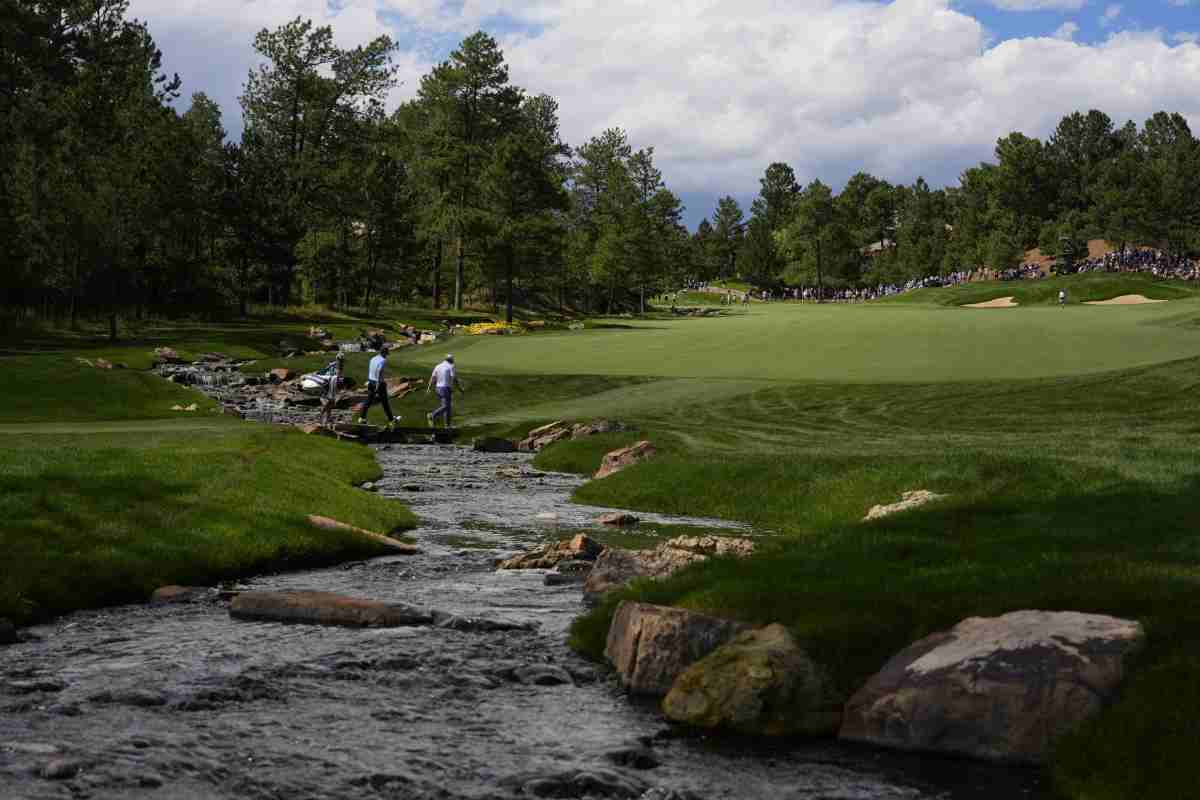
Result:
[449,356]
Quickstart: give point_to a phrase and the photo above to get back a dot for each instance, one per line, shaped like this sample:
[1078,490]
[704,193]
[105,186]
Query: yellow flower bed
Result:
[493,329]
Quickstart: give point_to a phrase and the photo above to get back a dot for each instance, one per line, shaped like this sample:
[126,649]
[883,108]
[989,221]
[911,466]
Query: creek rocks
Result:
[761,683]
[327,524]
[1000,688]
[908,501]
[61,769]
[579,548]
[492,444]
[168,595]
[544,436]
[617,519]
[616,567]
[324,608]
[618,460]
[281,375]
[543,675]
[582,783]
[650,646]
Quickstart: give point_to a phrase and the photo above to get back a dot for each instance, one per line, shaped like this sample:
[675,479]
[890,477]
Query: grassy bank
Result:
[107,519]
[1068,493]
[1083,288]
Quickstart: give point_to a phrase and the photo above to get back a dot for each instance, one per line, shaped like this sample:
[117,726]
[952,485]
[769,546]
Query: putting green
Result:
[858,344]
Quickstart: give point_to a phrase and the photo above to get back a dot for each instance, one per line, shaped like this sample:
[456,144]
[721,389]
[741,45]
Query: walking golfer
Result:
[444,379]
[329,398]
[377,387]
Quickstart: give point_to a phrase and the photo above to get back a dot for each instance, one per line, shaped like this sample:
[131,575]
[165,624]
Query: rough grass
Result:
[1069,493]
[107,521]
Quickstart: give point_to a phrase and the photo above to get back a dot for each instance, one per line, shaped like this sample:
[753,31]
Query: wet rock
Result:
[635,757]
[713,545]
[761,683]
[618,460]
[397,547]
[61,769]
[582,784]
[579,548]
[137,698]
[617,519]
[369,487]
[584,675]
[281,375]
[650,646]
[324,608]
[491,444]
[165,595]
[64,709]
[149,780]
[8,633]
[411,487]
[908,501]
[543,675]
[659,793]
[1000,688]
[544,436]
[443,619]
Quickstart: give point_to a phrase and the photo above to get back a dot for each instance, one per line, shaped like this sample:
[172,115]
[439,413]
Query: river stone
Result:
[908,501]
[314,429]
[61,769]
[617,519]
[542,675]
[281,374]
[327,524]
[761,683]
[587,783]
[324,608]
[8,633]
[594,427]
[581,547]
[998,688]
[492,444]
[165,595]
[546,435]
[618,460]
[650,646]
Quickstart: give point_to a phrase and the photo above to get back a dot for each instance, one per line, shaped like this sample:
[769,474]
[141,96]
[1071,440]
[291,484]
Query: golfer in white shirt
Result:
[444,379]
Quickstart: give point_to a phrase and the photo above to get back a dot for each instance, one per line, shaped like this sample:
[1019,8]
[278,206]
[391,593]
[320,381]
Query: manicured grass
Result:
[866,343]
[96,523]
[1080,288]
[582,456]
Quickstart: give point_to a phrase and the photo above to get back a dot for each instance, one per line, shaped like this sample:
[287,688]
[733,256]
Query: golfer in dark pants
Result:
[444,379]
[377,387]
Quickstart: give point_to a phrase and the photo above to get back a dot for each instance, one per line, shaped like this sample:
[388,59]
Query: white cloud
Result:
[1066,31]
[1040,5]
[1185,37]
[721,88]
[1111,13]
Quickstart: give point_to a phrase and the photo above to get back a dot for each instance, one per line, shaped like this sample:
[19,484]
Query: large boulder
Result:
[327,524]
[616,567]
[324,608]
[761,683]
[650,646]
[618,460]
[999,688]
[579,548]
[544,436]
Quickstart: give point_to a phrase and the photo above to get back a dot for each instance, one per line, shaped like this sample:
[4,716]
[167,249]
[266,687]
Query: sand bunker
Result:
[999,302]
[1124,300]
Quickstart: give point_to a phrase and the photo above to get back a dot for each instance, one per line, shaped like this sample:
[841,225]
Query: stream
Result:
[181,701]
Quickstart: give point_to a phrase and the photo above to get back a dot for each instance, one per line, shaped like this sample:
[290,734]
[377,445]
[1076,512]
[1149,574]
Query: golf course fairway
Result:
[857,344]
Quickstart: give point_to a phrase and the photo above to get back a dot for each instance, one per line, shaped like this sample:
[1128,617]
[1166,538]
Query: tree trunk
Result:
[642,300]
[459,274]
[508,291]
[820,291]
[437,275]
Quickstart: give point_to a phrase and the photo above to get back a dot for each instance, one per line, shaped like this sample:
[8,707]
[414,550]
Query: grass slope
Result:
[1080,289]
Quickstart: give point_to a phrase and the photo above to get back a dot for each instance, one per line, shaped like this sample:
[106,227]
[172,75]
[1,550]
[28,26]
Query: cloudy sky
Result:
[721,88]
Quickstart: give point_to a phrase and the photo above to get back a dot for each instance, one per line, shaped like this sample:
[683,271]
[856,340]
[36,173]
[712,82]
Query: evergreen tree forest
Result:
[122,200]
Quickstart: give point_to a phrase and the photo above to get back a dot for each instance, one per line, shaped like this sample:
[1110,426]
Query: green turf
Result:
[1080,289]
[93,523]
[867,343]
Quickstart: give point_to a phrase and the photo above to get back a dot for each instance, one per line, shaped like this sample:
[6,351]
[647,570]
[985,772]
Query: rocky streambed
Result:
[182,701]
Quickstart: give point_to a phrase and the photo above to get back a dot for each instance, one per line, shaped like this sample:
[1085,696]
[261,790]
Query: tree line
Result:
[119,205]
[116,204]
[1090,180]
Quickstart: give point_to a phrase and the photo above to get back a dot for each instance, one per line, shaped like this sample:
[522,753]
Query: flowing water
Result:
[183,702]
